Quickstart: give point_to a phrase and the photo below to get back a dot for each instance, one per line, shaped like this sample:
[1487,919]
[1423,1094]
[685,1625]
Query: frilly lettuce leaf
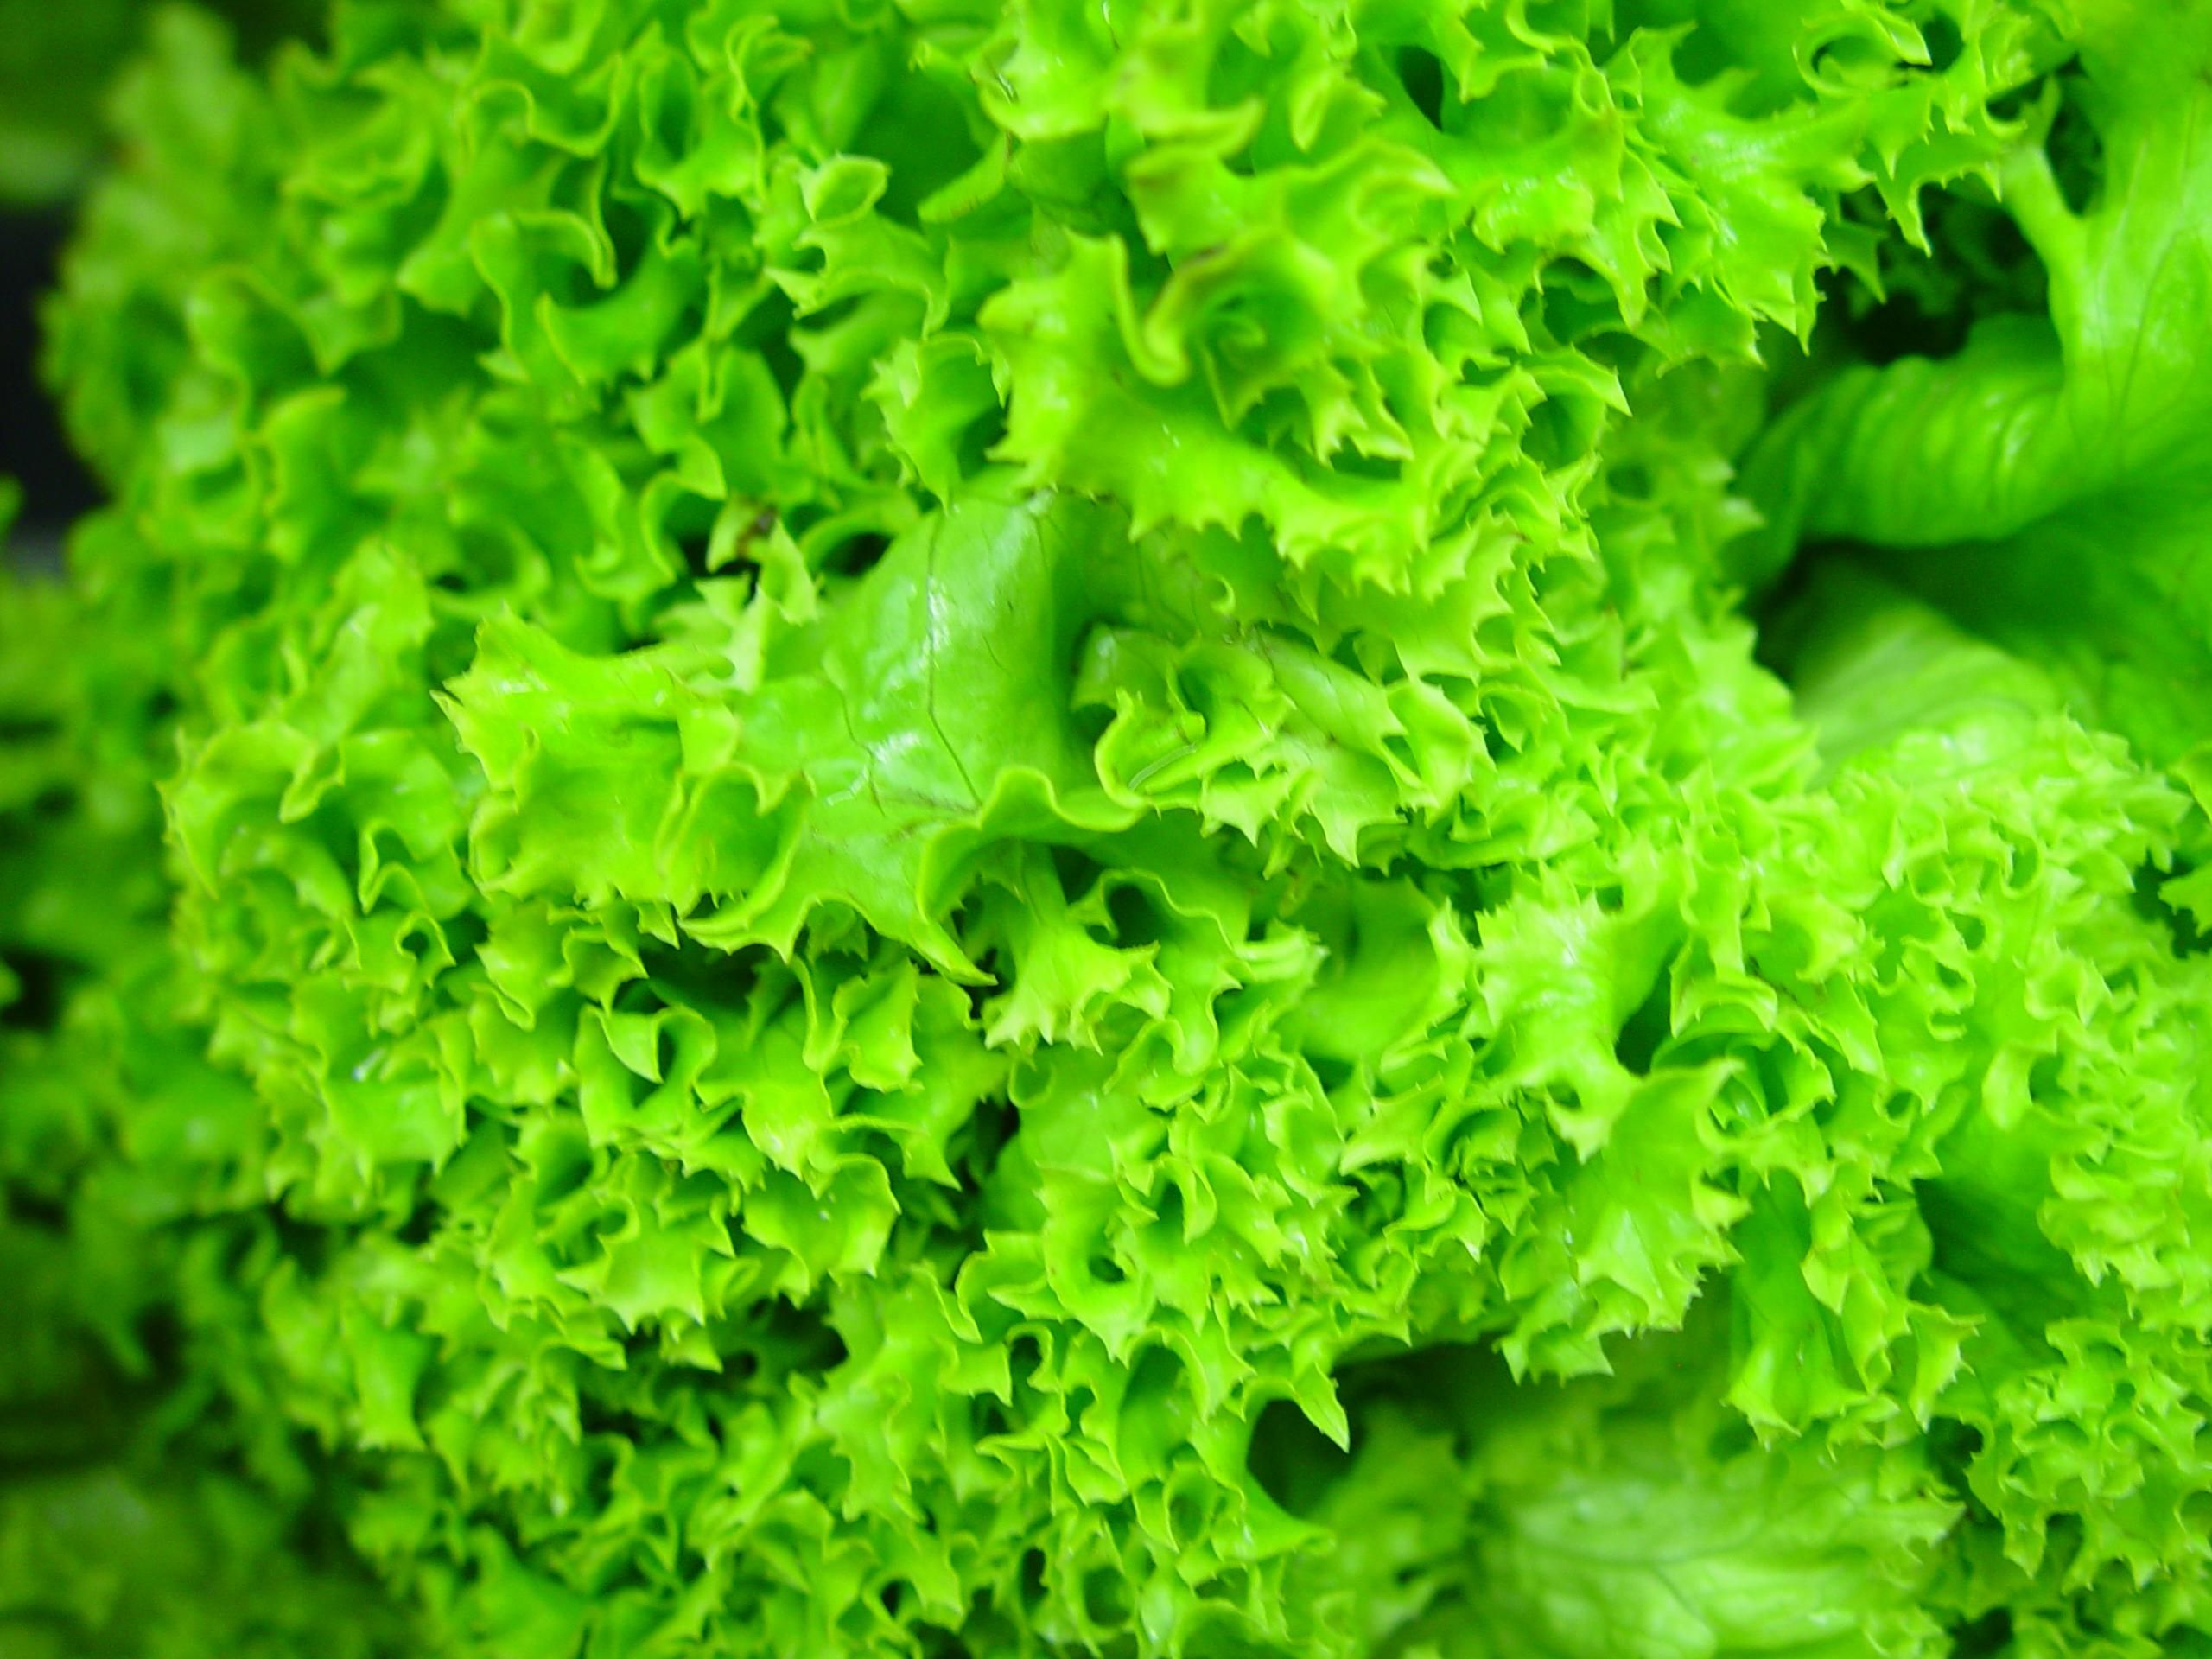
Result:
[919,760]
[143,1513]
[1629,1514]
[2041,483]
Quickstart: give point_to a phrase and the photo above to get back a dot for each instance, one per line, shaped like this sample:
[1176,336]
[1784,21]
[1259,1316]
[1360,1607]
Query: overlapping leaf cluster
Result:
[141,1513]
[926,764]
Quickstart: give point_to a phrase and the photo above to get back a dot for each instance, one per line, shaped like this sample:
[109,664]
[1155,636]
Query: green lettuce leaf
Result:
[950,829]
[2041,483]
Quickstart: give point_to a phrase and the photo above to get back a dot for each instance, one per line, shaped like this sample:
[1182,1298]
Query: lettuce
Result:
[54,64]
[138,1514]
[2042,483]
[952,828]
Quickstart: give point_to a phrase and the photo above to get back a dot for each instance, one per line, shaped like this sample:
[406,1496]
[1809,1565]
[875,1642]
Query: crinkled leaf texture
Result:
[971,846]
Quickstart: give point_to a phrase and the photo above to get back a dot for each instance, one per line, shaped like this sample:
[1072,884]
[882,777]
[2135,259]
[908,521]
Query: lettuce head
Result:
[1171,828]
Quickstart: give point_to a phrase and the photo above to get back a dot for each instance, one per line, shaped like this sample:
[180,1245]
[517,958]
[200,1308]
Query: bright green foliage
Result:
[2049,480]
[55,62]
[939,776]
[139,1516]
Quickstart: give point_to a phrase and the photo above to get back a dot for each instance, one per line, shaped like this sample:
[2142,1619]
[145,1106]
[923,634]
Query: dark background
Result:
[32,448]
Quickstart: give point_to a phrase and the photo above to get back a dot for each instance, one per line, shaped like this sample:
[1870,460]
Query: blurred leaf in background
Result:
[55,63]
